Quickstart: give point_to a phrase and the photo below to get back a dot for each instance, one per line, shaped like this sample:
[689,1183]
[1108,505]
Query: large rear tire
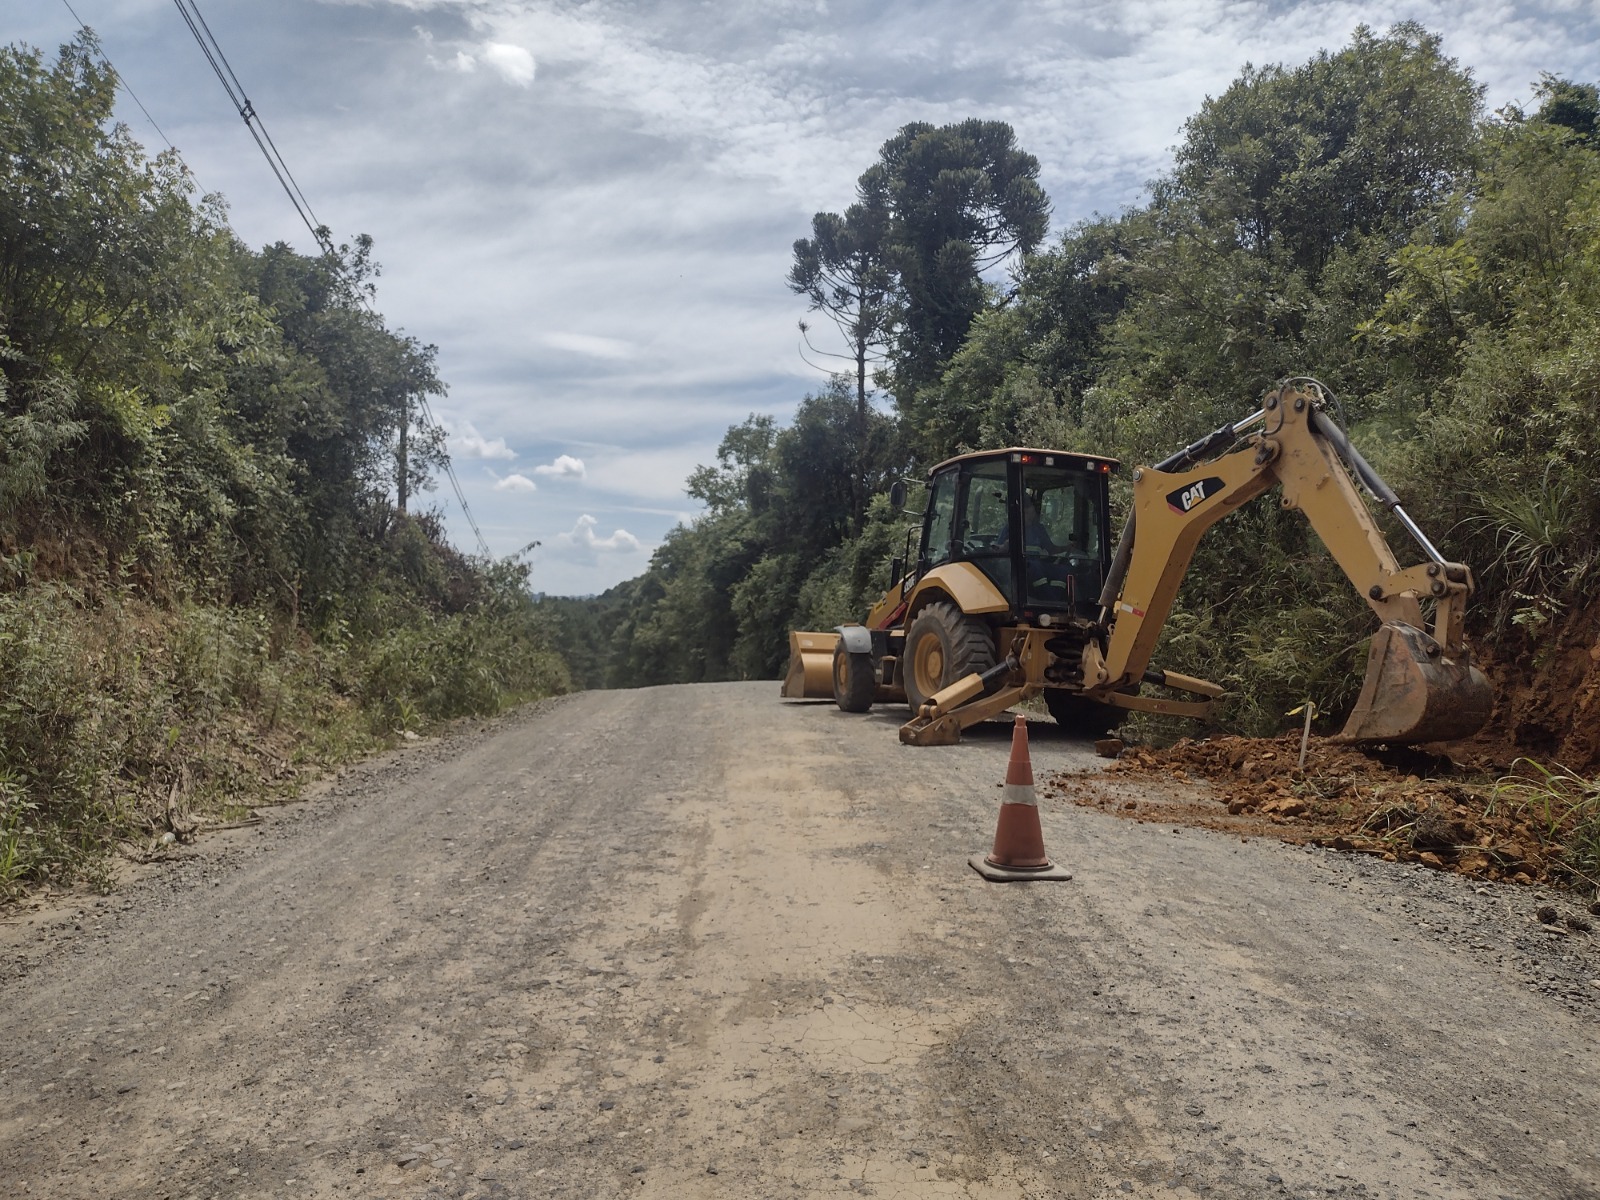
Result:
[1077,715]
[942,646]
[853,682]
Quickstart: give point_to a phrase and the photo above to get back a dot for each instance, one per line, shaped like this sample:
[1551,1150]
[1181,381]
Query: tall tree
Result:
[844,269]
[962,199]
[1353,143]
[1574,106]
[1269,243]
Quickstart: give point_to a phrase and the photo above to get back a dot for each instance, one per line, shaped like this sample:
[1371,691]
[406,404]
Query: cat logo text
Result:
[1186,499]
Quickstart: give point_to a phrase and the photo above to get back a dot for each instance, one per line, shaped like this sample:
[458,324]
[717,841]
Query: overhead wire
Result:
[192,17]
[455,484]
[209,46]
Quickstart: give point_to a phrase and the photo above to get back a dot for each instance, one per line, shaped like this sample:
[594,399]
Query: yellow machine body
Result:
[1420,686]
[810,675]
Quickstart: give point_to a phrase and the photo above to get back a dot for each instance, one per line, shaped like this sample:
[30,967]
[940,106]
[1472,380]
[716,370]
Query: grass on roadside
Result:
[1562,807]
[116,715]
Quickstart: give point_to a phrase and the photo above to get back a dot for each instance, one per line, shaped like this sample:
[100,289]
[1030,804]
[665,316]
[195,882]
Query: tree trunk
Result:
[403,468]
[858,485]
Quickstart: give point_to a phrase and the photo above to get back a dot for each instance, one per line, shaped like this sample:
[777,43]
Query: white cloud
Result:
[582,540]
[469,443]
[564,467]
[513,62]
[659,473]
[589,345]
[462,61]
[515,483]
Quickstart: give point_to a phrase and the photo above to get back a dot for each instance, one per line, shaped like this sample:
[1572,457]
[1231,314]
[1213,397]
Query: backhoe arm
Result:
[1420,686]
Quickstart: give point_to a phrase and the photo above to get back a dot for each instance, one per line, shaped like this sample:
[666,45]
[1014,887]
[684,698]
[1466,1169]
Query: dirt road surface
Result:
[693,941]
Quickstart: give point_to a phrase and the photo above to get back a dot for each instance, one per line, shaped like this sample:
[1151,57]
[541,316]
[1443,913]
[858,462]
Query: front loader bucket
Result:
[810,674]
[1413,696]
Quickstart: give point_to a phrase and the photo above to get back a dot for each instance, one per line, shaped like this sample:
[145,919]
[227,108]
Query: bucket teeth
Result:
[1413,693]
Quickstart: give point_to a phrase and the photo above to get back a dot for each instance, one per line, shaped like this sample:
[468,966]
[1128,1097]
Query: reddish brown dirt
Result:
[1402,806]
[1405,806]
[1547,694]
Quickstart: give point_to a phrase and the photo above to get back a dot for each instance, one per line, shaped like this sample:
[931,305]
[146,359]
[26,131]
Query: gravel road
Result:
[694,941]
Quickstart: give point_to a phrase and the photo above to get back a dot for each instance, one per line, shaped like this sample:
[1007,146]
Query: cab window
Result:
[941,518]
[984,531]
[984,516]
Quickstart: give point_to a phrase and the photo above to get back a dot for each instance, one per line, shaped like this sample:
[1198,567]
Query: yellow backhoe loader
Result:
[1016,590]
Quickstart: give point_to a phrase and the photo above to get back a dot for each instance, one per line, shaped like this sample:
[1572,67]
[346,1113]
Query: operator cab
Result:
[1035,522]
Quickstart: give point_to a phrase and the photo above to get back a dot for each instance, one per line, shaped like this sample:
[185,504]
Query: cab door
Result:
[984,528]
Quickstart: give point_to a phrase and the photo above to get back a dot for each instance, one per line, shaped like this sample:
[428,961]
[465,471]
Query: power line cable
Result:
[223,70]
[209,46]
[258,123]
[450,470]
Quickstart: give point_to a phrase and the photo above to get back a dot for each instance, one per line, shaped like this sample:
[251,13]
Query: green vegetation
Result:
[205,588]
[1357,217]
[1561,808]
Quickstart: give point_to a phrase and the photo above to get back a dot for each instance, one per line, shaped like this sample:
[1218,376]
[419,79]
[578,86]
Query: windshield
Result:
[985,522]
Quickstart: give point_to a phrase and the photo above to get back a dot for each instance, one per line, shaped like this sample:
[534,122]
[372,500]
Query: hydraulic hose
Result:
[1370,479]
[1217,440]
[1119,568]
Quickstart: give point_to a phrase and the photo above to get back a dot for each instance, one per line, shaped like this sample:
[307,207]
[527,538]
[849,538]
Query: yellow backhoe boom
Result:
[1420,684]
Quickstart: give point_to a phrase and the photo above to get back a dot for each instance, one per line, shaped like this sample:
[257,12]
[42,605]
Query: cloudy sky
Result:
[588,206]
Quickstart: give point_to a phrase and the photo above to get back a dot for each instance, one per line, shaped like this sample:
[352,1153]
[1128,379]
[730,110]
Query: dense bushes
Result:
[110,712]
[205,582]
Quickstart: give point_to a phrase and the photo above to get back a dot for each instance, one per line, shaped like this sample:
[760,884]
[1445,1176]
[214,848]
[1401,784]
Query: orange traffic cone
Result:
[1018,841]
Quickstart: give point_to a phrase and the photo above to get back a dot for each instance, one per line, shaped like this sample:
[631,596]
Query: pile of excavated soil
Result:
[1402,806]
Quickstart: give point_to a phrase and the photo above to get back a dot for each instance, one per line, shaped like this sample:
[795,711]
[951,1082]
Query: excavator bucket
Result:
[1411,695]
[810,675]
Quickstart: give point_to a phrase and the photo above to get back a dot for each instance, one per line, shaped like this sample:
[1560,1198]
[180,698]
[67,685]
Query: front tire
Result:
[942,646]
[853,682]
